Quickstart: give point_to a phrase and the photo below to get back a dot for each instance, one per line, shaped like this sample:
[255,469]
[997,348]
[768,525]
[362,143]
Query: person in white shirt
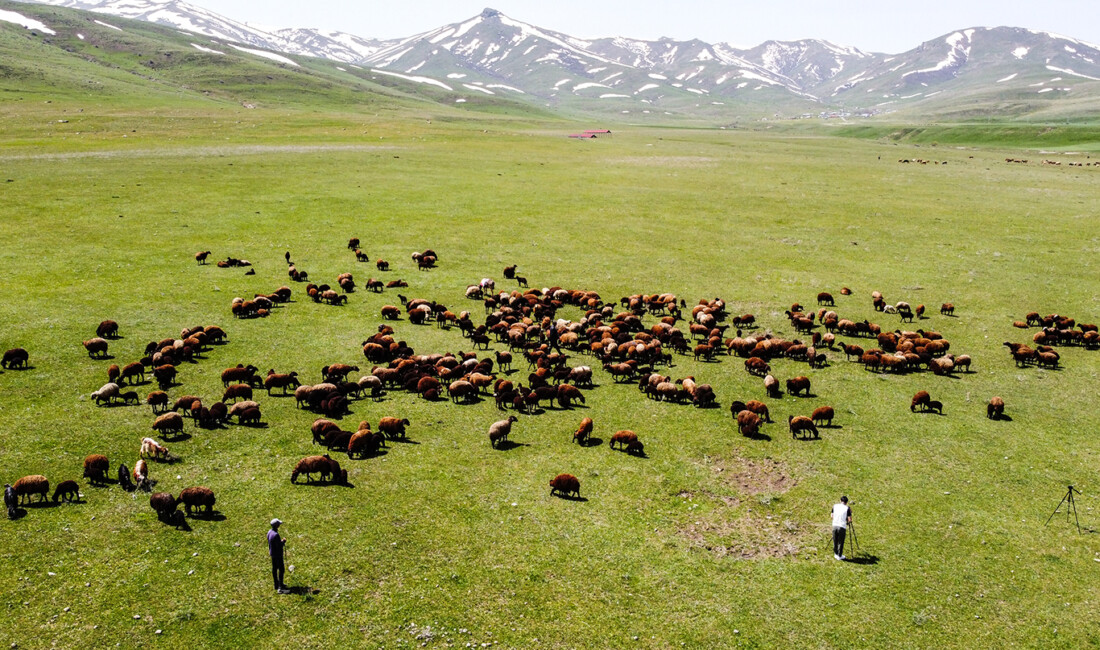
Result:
[842,518]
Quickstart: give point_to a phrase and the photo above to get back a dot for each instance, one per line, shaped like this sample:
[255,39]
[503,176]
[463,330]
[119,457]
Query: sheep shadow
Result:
[407,441]
[38,505]
[178,437]
[759,435]
[592,441]
[178,521]
[1003,417]
[505,445]
[567,497]
[212,516]
[709,405]
[831,426]
[105,483]
[254,425]
[103,357]
[805,395]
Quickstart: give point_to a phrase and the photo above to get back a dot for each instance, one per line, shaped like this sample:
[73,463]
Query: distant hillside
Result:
[492,60]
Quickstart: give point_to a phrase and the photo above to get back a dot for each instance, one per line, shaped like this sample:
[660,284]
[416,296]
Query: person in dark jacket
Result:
[275,545]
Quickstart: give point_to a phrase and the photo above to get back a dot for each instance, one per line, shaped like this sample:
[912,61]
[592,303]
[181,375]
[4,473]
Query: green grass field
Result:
[713,540]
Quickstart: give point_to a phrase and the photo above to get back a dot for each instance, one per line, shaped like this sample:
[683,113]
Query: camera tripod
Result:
[1072,506]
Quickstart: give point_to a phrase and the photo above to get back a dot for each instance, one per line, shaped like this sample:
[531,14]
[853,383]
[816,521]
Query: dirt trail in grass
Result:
[181,152]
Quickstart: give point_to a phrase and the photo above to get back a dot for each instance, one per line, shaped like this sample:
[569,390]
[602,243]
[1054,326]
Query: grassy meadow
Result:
[712,540]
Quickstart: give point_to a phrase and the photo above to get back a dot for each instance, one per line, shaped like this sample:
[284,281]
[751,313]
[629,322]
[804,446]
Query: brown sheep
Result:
[67,490]
[164,504]
[276,380]
[238,391]
[33,484]
[239,375]
[96,347]
[168,423]
[757,366]
[800,424]
[113,373]
[583,432]
[567,394]
[759,408]
[107,329]
[565,485]
[96,467]
[995,410]
[499,430]
[920,399]
[382,265]
[748,423]
[322,465]
[623,438]
[947,309]
[771,385]
[133,371]
[823,415]
[461,389]
[799,385]
[198,497]
[365,443]
[321,429]
[393,427]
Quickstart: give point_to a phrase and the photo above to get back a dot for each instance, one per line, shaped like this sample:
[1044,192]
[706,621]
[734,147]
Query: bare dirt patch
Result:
[749,524]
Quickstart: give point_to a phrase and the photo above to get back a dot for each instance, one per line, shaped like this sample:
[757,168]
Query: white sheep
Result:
[150,448]
[106,393]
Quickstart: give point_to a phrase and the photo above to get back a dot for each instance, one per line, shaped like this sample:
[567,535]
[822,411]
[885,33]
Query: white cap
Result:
[276,522]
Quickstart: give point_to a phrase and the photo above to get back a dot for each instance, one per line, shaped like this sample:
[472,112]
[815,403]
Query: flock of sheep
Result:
[528,322]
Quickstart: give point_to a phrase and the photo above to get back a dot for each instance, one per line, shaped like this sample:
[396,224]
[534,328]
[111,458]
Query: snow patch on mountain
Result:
[1009,77]
[23,21]
[264,54]
[419,80]
[206,49]
[1071,72]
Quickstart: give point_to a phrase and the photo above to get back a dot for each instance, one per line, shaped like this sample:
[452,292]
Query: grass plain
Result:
[714,540]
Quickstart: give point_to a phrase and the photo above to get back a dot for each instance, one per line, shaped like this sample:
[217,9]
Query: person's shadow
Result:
[303,590]
[864,558]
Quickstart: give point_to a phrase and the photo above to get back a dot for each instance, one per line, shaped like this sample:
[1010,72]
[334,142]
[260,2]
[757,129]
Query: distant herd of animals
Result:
[526,321]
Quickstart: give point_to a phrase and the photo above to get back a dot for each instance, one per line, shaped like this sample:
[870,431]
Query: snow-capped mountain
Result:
[494,54]
[188,17]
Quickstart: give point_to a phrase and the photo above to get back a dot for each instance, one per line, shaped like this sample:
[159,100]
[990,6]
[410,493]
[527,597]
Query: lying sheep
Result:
[198,497]
[565,484]
[67,490]
[498,431]
[33,484]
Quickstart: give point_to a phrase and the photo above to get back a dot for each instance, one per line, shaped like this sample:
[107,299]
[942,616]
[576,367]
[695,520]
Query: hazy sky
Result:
[874,25]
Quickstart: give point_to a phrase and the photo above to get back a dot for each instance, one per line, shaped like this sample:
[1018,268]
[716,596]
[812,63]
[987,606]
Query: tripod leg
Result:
[1057,509]
[1075,519]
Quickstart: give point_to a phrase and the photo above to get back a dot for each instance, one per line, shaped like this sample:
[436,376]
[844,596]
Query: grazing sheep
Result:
[164,504]
[201,256]
[800,425]
[170,422]
[165,375]
[249,416]
[124,480]
[583,432]
[15,358]
[198,497]
[141,474]
[499,430]
[96,347]
[757,366]
[321,428]
[623,438]
[825,298]
[130,396]
[382,265]
[567,394]
[565,484]
[947,309]
[771,385]
[748,423]
[321,465]
[238,391]
[461,390]
[133,371]
[67,490]
[107,329]
[365,443]
[393,427]
[239,375]
[823,415]
[113,373]
[799,385]
[276,380]
[96,467]
[935,405]
[33,484]
[150,449]
[920,399]
[106,393]
[995,409]
[635,448]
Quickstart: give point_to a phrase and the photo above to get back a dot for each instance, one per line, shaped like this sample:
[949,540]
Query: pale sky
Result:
[886,26]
